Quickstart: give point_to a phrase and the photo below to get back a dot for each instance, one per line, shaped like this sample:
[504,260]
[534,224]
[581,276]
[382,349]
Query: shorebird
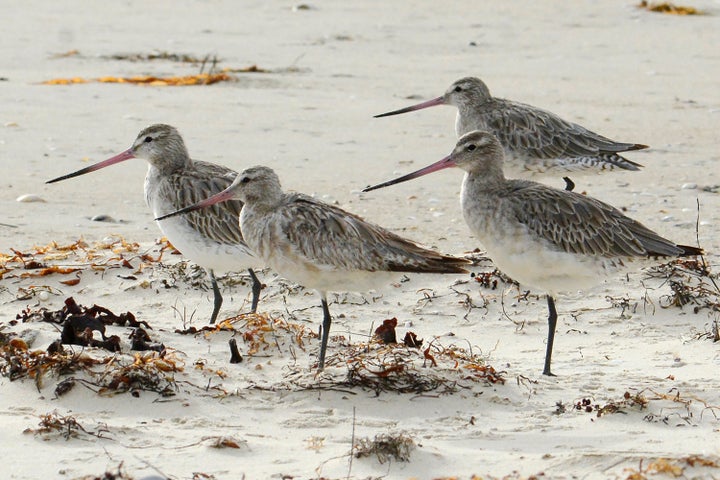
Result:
[548,239]
[212,239]
[319,245]
[535,141]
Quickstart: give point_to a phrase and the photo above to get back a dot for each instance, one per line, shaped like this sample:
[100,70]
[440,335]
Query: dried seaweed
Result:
[64,426]
[664,467]
[691,282]
[17,361]
[160,55]
[385,446]
[669,8]
[149,80]
[79,323]
[151,372]
[671,404]
[386,332]
[402,369]
[74,258]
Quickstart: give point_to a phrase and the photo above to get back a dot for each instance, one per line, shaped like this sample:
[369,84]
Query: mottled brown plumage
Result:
[535,141]
[319,245]
[549,239]
[212,238]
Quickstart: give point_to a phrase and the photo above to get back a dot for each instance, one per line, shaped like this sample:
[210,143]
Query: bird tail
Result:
[688,251]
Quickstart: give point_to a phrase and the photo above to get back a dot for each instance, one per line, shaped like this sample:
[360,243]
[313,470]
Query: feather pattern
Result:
[527,132]
[329,236]
[582,225]
[182,188]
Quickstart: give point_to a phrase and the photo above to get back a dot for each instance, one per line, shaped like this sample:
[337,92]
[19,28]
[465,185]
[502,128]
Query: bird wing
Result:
[219,222]
[543,134]
[578,224]
[333,238]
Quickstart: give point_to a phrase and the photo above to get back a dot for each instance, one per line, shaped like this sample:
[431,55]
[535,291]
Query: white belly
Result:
[209,254]
[530,260]
[332,280]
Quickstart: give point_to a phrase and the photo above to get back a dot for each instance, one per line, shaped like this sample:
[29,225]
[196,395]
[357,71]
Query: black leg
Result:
[327,320]
[256,287]
[569,184]
[552,323]
[218,297]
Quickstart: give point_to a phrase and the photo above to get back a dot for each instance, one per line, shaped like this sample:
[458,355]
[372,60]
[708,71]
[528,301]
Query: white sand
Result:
[626,73]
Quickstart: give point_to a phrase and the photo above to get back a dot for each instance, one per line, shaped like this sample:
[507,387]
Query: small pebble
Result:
[29,198]
[43,296]
[668,218]
[689,186]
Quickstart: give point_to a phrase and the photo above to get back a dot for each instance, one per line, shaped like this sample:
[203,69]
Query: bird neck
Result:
[489,178]
[269,200]
[172,161]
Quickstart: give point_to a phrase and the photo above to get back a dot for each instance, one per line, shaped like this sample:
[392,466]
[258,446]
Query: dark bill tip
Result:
[419,106]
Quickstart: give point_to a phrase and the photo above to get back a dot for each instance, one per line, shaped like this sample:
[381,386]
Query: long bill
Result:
[223,196]
[121,157]
[419,106]
[446,162]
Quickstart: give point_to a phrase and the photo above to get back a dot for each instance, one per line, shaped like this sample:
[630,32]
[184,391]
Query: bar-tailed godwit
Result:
[535,141]
[211,239]
[321,246]
[542,237]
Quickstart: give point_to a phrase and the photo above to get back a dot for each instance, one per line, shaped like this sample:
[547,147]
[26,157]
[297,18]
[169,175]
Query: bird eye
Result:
[458,88]
[470,147]
[148,139]
[245,180]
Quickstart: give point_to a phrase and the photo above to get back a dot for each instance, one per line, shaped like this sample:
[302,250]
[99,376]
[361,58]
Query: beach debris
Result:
[69,53]
[669,8]
[225,442]
[403,369]
[385,446]
[386,332]
[64,387]
[412,341]
[66,426]
[149,372]
[79,324]
[235,356]
[150,80]
[691,283]
[141,341]
[671,408]
[628,401]
[492,279]
[81,317]
[160,55]
[249,69]
[665,467]
[74,258]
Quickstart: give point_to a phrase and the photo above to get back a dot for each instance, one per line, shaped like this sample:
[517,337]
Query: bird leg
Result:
[256,287]
[569,184]
[552,323]
[218,300]
[327,320]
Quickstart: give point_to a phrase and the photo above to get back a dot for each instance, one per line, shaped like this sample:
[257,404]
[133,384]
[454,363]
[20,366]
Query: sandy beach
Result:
[637,392]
